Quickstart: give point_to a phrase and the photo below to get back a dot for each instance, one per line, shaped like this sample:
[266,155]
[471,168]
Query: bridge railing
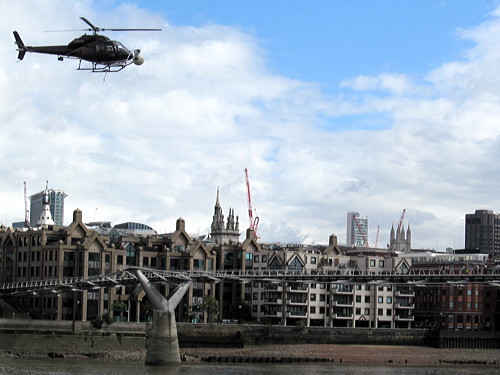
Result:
[339,275]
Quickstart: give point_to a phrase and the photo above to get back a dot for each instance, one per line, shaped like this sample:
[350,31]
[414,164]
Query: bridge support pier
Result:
[163,343]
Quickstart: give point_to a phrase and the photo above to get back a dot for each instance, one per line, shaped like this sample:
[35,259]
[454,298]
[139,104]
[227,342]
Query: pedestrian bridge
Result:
[421,276]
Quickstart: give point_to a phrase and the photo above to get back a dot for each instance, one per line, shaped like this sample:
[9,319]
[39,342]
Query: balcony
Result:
[295,314]
[296,302]
[404,318]
[273,301]
[269,287]
[272,314]
[297,289]
[345,289]
[342,303]
[404,293]
[342,316]
[404,306]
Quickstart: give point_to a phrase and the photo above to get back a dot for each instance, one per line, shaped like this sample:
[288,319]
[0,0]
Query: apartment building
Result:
[344,304]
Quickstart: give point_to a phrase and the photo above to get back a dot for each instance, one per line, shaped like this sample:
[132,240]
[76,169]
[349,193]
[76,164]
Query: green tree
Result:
[241,311]
[211,306]
[119,308]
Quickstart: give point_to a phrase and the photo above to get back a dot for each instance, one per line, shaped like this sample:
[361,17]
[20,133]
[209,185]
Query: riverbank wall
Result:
[81,336]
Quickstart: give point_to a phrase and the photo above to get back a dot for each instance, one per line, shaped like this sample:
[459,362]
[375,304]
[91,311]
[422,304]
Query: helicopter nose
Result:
[138,58]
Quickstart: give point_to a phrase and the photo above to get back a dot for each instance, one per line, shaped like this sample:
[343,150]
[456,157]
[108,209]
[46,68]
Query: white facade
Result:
[330,304]
[357,230]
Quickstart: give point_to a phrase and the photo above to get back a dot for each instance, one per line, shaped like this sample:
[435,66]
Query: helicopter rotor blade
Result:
[64,31]
[130,29]
[93,28]
[96,29]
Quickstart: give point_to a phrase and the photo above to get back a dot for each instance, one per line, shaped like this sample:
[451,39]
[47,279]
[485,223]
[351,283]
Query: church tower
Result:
[400,241]
[224,233]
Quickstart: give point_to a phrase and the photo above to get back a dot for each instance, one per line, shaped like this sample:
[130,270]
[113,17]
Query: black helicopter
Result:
[104,54]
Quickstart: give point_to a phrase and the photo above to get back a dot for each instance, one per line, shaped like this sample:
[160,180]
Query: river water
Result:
[65,367]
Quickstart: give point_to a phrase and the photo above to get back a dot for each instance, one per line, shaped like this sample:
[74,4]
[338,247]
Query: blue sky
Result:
[333,106]
[327,40]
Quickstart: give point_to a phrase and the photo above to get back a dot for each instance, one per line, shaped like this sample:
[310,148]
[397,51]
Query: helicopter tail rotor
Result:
[20,46]
[138,58]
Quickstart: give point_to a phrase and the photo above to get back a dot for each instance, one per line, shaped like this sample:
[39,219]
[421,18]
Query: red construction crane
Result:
[400,224]
[26,211]
[254,222]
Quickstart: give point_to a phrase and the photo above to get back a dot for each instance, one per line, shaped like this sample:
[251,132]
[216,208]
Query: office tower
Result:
[482,232]
[56,204]
[357,230]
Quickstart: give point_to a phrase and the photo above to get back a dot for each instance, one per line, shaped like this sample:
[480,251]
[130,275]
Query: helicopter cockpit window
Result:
[120,47]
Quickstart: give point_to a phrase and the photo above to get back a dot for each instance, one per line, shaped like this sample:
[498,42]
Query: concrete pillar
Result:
[162,342]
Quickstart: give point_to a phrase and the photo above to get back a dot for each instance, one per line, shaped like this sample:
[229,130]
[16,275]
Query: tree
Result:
[119,308]
[211,306]
[241,311]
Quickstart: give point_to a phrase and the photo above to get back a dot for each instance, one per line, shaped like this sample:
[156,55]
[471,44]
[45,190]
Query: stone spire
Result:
[224,232]
[218,218]
[45,219]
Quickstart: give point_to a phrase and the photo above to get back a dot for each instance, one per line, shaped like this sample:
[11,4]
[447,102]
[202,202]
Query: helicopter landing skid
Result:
[104,68]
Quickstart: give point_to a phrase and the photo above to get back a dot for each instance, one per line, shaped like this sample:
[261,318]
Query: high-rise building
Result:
[482,232]
[56,204]
[357,230]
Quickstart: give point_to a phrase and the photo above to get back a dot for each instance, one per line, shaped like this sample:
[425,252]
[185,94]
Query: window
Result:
[389,299]
[380,299]
[381,263]
[264,258]
[358,299]
[388,312]
[313,310]
[313,260]
[256,258]
[372,262]
[295,264]
[367,311]
[380,312]
[367,299]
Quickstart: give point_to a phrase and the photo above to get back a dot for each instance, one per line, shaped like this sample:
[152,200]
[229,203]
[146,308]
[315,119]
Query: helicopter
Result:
[104,54]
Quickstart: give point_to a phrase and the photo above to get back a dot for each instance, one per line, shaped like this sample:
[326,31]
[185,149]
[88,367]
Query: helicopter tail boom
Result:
[20,46]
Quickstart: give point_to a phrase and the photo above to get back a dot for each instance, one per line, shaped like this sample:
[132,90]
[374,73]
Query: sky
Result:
[332,106]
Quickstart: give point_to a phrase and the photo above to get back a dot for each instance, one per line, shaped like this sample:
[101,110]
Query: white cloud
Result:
[152,143]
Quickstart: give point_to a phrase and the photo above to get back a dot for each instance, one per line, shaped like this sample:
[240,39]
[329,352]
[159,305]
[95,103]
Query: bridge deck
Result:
[341,275]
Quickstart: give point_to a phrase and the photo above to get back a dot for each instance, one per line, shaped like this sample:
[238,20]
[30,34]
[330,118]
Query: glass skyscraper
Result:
[56,203]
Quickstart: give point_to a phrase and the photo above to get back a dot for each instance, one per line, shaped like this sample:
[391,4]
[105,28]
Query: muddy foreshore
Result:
[340,354]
